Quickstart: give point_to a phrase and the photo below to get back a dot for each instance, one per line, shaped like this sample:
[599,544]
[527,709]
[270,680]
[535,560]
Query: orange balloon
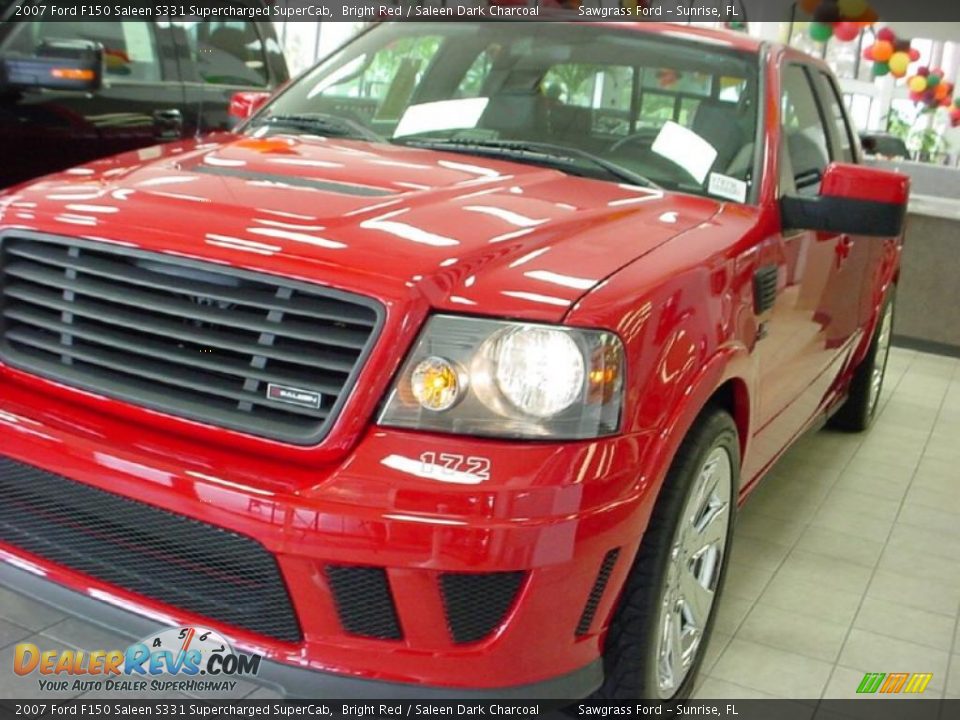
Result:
[940,91]
[882,50]
[808,6]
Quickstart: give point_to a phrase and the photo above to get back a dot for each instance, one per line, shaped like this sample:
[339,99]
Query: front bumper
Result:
[551,512]
[296,682]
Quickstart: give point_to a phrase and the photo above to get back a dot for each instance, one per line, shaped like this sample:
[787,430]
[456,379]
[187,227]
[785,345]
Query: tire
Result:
[860,408]
[632,652]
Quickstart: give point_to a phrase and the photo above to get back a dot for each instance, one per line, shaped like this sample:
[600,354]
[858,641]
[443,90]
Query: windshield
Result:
[674,112]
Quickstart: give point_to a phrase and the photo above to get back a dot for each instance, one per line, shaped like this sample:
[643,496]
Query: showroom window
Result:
[380,86]
[476,76]
[226,53]
[129,48]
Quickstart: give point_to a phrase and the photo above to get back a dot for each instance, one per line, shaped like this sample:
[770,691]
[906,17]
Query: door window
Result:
[804,132]
[836,114]
[226,53]
[129,48]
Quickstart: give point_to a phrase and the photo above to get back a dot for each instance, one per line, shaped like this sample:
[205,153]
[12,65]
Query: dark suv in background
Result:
[74,91]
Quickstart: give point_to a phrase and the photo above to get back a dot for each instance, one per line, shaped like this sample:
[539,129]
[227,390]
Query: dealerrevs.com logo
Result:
[187,659]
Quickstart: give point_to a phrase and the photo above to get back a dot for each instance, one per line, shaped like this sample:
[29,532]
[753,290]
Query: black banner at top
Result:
[734,12]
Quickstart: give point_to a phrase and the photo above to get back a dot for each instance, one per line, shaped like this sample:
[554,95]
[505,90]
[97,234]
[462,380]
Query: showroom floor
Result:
[845,561]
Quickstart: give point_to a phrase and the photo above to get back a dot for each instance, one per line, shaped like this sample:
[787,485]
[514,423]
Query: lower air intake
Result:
[477,603]
[174,560]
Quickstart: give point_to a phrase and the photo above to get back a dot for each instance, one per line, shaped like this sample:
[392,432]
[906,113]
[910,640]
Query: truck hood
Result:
[460,232]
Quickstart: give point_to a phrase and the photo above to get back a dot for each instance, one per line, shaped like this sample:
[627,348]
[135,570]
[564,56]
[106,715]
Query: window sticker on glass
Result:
[727,187]
[685,148]
[459,114]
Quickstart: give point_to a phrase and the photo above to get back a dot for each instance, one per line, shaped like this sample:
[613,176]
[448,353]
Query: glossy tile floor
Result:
[846,560]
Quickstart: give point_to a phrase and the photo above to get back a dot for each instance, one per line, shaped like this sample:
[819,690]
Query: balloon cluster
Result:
[929,88]
[890,55]
[842,19]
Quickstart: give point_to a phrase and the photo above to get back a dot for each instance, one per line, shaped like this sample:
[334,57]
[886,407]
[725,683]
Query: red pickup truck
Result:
[445,373]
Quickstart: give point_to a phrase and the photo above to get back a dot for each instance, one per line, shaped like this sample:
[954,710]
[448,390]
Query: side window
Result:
[129,48]
[226,53]
[834,109]
[804,133]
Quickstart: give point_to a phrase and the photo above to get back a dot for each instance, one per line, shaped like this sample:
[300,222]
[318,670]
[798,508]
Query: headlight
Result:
[474,376]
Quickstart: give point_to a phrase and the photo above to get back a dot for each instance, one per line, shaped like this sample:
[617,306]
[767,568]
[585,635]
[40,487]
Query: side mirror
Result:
[854,199]
[57,65]
[244,105]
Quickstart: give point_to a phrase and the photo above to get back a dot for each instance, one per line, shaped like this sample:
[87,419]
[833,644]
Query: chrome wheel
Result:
[884,333]
[693,571]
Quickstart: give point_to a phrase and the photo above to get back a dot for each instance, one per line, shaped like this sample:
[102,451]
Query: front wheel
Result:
[660,629]
[860,408]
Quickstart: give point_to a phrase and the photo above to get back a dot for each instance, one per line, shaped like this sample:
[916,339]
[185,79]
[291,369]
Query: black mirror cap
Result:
[75,65]
[836,214]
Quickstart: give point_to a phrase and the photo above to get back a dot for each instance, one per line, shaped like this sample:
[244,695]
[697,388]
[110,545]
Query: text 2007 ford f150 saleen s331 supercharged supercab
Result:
[445,373]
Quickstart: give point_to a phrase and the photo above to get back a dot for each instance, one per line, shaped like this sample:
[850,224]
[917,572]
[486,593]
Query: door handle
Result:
[168,124]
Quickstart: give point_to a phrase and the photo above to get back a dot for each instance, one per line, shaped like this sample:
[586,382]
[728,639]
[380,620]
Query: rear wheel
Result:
[860,408]
[657,637]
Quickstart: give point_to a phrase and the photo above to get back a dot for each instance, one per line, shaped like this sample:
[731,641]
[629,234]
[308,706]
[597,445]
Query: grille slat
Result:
[171,559]
[317,309]
[160,351]
[170,328]
[201,384]
[198,340]
[131,297]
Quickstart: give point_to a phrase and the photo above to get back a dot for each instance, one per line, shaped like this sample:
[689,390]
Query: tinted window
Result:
[804,133]
[226,53]
[129,48]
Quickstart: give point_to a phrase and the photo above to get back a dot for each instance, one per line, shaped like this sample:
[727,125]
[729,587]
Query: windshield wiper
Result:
[322,124]
[531,150]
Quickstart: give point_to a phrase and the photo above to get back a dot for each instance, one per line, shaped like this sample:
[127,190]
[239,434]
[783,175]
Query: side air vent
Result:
[596,593]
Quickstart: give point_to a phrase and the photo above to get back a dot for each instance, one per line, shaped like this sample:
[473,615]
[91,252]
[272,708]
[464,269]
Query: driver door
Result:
[818,276]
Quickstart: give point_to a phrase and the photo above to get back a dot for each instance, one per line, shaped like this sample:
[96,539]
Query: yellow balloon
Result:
[898,63]
[917,83]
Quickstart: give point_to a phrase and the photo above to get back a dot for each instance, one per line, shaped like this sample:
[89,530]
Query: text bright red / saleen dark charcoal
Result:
[443,375]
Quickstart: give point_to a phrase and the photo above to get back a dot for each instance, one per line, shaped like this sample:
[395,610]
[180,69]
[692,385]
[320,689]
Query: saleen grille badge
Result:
[294,396]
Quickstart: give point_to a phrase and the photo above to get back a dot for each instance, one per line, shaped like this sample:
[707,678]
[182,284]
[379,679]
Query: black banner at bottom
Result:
[867,708]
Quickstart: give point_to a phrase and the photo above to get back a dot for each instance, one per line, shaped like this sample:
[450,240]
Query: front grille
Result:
[246,351]
[169,558]
[477,603]
[364,601]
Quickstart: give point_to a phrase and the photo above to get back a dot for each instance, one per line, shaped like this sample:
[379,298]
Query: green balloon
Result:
[821,32]
[880,68]
[933,80]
